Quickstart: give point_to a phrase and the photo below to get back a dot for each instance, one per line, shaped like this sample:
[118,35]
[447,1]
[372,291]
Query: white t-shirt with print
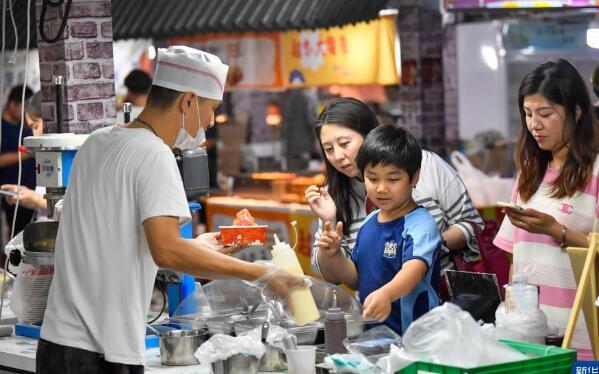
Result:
[104,271]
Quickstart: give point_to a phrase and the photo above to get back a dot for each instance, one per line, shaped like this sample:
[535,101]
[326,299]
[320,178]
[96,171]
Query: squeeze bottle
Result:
[302,302]
[335,328]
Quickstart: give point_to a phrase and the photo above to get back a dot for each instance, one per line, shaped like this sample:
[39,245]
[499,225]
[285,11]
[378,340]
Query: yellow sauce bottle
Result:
[303,306]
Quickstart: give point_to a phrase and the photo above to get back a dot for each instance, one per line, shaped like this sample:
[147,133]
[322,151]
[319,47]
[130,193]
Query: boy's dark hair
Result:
[138,82]
[16,94]
[390,145]
[162,97]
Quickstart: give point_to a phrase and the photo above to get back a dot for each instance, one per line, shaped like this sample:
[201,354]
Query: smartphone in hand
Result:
[8,193]
[511,206]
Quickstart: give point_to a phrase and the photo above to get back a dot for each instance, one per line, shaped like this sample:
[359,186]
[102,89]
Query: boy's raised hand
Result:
[330,240]
[377,305]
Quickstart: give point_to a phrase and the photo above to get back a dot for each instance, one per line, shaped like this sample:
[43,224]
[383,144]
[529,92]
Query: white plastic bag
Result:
[275,335]
[397,359]
[484,190]
[220,347]
[448,335]
[530,326]
[374,341]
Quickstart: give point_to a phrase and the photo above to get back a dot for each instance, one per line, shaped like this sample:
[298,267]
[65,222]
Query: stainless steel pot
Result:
[236,364]
[177,347]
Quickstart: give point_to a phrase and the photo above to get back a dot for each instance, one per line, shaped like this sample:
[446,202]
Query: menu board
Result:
[518,4]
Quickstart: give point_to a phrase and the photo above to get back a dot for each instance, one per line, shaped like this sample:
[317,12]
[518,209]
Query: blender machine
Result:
[54,154]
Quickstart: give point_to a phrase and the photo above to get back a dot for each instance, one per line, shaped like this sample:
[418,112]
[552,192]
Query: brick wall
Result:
[83,55]
[421,91]
[450,83]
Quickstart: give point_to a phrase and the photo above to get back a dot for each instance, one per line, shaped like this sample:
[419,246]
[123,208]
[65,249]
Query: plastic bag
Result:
[30,294]
[220,347]
[220,297]
[275,335]
[448,335]
[397,359]
[323,297]
[16,243]
[484,190]
[350,363]
[531,326]
[375,341]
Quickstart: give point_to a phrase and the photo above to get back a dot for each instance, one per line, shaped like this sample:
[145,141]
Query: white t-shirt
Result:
[104,271]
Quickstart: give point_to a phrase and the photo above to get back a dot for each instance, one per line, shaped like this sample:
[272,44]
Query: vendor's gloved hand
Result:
[277,284]
[212,240]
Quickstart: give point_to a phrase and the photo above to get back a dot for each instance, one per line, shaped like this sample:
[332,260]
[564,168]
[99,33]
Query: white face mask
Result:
[185,141]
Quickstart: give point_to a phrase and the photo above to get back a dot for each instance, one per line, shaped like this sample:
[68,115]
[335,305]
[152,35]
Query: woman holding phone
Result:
[557,187]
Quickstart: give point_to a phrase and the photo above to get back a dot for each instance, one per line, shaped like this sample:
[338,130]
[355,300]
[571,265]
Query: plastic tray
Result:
[544,359]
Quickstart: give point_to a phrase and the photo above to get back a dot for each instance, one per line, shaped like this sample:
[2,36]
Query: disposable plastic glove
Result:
[276,284]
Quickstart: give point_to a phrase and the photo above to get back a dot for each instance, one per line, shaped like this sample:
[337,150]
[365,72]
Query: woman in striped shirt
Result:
[341,129]
[558,186]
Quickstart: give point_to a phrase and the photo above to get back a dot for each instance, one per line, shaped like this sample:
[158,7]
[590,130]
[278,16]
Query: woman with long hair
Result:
[557,185]
[341,129]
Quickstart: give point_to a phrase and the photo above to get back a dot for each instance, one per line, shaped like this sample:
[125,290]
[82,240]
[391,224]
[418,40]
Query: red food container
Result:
[243,236]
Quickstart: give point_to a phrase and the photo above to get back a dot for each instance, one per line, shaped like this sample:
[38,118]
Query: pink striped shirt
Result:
[553,271]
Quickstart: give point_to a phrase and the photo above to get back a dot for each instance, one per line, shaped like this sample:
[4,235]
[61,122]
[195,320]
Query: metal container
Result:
[236,364]
[178,346]
[38,242]
[306,335]
[274,359]
[223,325]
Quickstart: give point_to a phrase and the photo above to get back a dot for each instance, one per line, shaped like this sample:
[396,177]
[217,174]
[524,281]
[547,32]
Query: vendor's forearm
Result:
[187,257]
[338,268]
[454,238]
[170,251]
[406,279]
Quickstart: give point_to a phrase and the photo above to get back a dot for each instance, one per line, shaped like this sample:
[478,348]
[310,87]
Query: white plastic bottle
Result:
[303,306]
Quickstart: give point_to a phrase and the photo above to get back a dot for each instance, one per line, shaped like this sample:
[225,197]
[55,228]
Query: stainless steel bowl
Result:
[236,364]
[178,346]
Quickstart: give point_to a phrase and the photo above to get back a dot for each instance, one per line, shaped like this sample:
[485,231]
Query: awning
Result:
[159,19]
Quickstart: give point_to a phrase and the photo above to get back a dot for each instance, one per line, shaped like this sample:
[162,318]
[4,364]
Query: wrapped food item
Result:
[244,231]
[244,218]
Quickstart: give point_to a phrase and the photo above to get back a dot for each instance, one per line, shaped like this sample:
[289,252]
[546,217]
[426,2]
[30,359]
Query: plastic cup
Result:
[301,360]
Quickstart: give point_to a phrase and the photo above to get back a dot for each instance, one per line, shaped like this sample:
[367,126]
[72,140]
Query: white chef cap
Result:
[186,69]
